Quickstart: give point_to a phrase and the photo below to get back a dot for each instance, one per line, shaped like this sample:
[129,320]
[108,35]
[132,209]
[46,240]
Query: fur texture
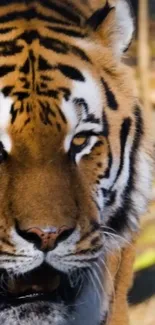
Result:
[75,152]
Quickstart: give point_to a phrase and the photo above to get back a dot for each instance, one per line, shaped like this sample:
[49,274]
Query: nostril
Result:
[33,238]
[64,234]
[45,239]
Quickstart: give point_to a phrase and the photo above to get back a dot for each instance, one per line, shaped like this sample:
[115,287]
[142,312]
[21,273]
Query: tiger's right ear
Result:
[113,23]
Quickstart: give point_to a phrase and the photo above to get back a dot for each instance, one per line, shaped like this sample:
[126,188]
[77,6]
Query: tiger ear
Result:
[114,23]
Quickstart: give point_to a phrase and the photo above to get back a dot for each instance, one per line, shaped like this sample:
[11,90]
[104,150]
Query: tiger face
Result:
[75,157]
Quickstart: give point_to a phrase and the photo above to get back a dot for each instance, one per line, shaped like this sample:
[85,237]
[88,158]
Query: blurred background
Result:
[142,58]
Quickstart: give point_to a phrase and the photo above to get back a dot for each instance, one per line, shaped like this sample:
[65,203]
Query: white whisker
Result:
[115,235]
[94,284]
[110,277]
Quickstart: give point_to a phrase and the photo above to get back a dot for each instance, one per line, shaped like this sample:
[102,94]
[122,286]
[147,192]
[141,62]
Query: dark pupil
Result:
[2,153]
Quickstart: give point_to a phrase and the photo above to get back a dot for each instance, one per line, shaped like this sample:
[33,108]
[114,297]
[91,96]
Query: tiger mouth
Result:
[41,284]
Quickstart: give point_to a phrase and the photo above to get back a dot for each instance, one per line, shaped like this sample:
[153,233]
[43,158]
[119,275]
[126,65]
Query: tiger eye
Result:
[79,141]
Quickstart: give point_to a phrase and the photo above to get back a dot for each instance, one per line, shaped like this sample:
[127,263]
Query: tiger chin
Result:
[75,162]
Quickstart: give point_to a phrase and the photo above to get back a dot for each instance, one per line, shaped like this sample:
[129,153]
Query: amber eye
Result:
[3,153]
[80,141]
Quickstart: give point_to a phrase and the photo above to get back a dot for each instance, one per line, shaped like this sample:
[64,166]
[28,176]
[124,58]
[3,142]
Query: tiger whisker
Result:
[111,251]
[116,235]
[110,277]
[93,283]
[81,283]
[113,238]
[96,275]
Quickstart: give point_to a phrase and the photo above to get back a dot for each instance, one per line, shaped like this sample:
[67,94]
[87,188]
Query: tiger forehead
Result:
[82,102]
[50,70]
[38,82]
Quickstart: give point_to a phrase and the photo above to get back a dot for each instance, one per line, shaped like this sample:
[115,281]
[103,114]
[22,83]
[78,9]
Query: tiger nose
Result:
[47,238]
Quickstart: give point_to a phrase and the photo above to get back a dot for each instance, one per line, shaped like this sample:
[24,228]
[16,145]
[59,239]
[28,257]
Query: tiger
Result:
[75,162]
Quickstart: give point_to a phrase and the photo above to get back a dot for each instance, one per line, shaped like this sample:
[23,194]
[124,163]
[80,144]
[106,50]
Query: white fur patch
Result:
[143,182]
[68,109]
[5,108]
[6,140]
[26,256]
[89,92]
[124,26]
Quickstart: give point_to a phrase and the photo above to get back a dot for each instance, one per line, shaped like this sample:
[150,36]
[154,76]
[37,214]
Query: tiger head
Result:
[75,156]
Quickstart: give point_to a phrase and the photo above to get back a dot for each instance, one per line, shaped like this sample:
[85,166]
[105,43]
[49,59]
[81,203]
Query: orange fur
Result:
[39,185]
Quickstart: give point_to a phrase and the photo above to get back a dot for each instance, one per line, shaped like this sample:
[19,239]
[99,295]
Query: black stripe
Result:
[22,108]
[91,118]
[86,134]
[125,129]
[65,12]
[21,95]
[5,69]
[43,85]
[9,2]
[26,84]
[75,50]
[66,92]
[45,78]
[53,20]
[16,15]
[62,47]
[71,72]
[29,36]
[112,103]
[46,108]
[139,132]
[54,44]
[28,120]
[58,126]
[67,32]
[7,242]
[48,93]
[110,161]
[46,113]
[119,220]
[98,144]
[32,61]
[43,64]
[28,108]
[26,67]
[9,48]
[6,30]
[7,90]
[31,14]
[14,113]
[105,125]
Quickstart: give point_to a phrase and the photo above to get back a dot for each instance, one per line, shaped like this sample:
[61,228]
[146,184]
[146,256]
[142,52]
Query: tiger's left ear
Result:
[114,23]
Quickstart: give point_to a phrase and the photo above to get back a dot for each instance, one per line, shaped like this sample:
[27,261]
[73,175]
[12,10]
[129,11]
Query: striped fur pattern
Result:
[75,146]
